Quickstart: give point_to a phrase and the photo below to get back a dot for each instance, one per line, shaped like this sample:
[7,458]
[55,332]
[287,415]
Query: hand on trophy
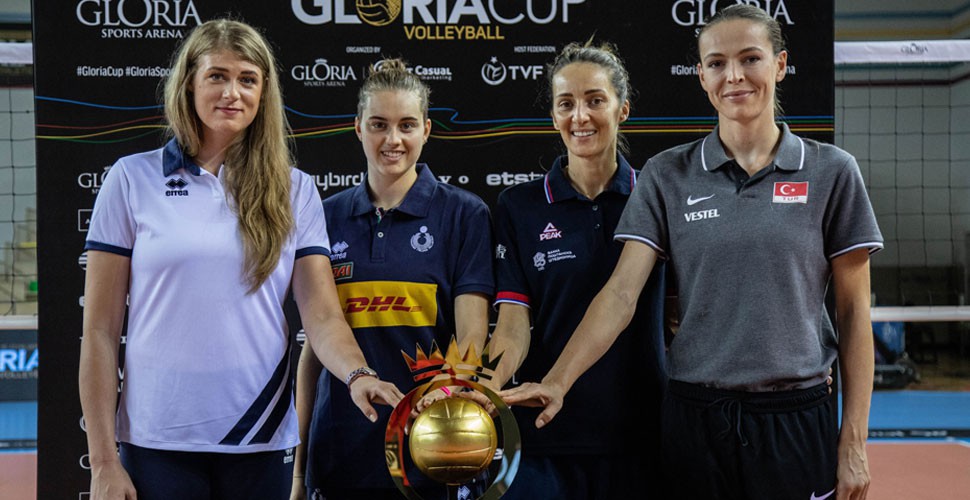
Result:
[539,395]
[434,396]
[368,389]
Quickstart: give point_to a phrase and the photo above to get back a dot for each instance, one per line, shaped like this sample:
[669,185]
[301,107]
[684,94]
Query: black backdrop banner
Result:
[98,64]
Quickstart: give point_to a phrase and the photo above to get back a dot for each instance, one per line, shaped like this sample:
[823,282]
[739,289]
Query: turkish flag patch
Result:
[790,192]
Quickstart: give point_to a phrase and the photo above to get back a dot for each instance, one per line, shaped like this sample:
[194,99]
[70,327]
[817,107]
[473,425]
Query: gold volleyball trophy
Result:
[453,441]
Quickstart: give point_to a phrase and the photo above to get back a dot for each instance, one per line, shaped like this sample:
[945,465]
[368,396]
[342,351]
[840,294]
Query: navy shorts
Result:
[186,475]
[721,444]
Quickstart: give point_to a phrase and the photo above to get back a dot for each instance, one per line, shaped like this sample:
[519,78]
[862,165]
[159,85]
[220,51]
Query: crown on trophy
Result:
[468,366]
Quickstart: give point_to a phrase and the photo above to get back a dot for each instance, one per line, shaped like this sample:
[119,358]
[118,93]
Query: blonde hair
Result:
[392,74]
[257,175]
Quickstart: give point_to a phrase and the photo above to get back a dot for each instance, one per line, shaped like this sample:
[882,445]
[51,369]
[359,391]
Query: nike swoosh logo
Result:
[823,497]
[691,200]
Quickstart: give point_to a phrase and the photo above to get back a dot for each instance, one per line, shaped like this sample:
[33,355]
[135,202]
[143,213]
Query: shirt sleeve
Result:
[510,280]
[310,222]
[644,218]
[112,220]
[474,270]
[850,223]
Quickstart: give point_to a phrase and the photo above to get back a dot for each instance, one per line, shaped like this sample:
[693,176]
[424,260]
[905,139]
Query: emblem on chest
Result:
[422,241]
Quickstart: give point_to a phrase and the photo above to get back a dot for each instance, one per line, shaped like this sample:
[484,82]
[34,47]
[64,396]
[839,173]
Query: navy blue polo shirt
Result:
[752,256]
[554,252]
[397,278]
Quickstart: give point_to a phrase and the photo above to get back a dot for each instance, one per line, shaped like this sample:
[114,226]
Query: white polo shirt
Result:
[206,364]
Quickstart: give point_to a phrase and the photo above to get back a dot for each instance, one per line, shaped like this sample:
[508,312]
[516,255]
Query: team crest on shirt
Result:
[550,233]
[339,250]
[790,192]
[176,187]
[422,241]
[500,251]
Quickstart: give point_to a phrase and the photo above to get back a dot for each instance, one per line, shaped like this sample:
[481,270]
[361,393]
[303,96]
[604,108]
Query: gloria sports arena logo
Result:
[437,19]
[137,19]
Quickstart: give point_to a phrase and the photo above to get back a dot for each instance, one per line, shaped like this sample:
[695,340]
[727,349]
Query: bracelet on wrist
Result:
[363,371]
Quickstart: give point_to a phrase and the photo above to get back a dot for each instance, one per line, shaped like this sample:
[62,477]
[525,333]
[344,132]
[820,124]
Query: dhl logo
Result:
[389,303]
[361,304]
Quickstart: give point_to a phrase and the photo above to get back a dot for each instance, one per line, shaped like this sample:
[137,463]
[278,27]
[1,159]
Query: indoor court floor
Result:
[925,454]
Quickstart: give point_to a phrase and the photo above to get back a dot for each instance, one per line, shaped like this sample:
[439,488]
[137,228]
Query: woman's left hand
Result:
[540,395]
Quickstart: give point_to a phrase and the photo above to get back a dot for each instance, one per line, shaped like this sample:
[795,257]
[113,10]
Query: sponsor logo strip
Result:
[388,303]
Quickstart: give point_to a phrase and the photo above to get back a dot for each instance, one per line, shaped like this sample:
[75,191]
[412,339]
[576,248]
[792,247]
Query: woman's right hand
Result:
[110,481]
[367,390]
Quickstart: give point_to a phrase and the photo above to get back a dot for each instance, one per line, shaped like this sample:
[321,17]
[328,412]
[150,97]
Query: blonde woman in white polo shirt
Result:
[203,238]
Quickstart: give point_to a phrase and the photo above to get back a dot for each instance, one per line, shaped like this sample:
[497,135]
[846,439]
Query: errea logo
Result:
[339,250]
[176,187]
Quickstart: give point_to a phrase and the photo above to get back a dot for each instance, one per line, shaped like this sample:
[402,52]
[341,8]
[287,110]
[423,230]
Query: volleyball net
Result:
[903,110]
[18,187]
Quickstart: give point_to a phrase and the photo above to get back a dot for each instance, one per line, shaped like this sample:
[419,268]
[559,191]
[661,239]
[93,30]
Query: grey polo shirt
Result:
[751,256]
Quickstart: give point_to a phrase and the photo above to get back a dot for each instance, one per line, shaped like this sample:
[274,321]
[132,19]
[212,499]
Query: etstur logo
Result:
[372,304]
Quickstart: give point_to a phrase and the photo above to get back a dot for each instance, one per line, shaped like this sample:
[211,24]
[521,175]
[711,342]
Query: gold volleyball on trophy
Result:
[453,440]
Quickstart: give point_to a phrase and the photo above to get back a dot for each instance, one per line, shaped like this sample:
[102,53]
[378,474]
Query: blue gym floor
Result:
[920,414]
[894,415]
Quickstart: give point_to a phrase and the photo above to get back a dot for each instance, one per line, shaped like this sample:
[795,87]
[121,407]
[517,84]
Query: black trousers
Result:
[733,445]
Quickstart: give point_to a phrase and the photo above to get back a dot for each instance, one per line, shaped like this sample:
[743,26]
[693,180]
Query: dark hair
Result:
[603,55]
[755,15]
[392,74]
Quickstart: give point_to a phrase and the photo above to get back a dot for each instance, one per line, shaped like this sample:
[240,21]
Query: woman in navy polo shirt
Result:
[554,251]
[412,261]
[755,221]
[201,239]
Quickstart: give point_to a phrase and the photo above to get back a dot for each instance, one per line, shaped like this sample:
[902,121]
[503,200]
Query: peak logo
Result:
[495,72]
[323,74]
[694,13]
[384,12]
[138,18]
